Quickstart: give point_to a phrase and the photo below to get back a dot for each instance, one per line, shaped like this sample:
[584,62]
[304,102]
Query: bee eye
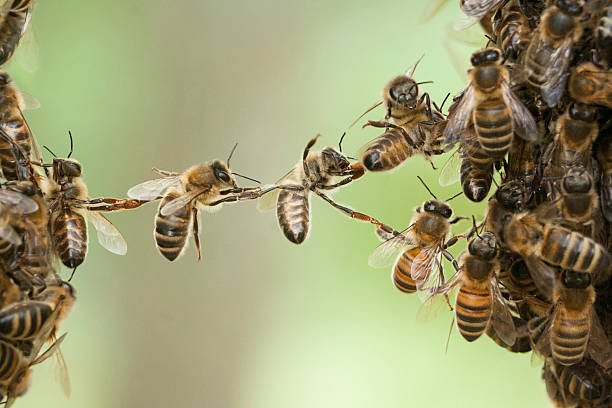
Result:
[446,212]
[223,176]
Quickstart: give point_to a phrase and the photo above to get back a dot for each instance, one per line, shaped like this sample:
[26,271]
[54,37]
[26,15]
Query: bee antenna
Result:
[422,182]
[340,142]
[49,150]
[231,153]
[444,101]
[365,113]
[245,177]
[475,227]
[425,82]
[455,196]
[411,70]
[71,144]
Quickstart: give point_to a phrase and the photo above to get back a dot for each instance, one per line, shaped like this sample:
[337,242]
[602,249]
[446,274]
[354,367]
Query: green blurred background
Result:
[259,322]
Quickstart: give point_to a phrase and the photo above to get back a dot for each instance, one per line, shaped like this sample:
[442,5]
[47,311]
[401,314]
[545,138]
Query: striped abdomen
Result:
[493,124]
[24,321]
[569,336]
[475,181]
[9,361]
[7,248]
[513,31]
[11,30]
[521,278]
[473,310]
[603,36]
[36,255]
[401,276]
[585,383]
[69,235]
[293,213]
[387,151]
[572,250]
[171,231]
[13,123]
[576,137]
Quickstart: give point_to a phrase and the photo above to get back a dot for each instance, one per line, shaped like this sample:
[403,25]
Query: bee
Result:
[479,302]
[537,239]
[489,103]
[576,130]
[517,280]
[13,206]
[511,30]
[603,151]
[591,85]
[523,165]
[509,199]
[603,37]
[546,60]
[578,199]
[418,266]
[580,382]
[13,26]
[572,328]
[71,207]
[203,186]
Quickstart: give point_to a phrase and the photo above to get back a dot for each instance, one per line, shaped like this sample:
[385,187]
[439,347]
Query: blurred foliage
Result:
[259,322]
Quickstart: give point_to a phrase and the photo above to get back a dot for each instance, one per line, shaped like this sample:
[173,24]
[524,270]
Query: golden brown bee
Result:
[591,85]
[576,130]
[415,252]
[479,302]
[489,103]
[13,26]
[572,328]
[317,172]
[603,37]
[580,382]
[546,60]
[511,30]
[578,200]
[603,151]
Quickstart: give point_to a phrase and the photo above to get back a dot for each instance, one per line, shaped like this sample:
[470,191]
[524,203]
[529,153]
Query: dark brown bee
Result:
[577,128]
[603,151]
[509,199]
[591,85]
[317,172]
[511,30]
[489,103]
[546,60]
[13,26]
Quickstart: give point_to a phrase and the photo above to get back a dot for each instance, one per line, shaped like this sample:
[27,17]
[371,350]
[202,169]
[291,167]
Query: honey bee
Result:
[479,302]
[509,199]
[572,328]
[13,26]
[13,205]
[591,85]
[546,61]
[603,151]
[511,30]
[578,199]
[489,103]
[523,166]
[418,266]
[71,207]
[580,382]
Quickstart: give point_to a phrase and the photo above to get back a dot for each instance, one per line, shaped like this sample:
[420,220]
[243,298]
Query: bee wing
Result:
[108,235]
[524,124]
[501,318]
[152,189]
[49,352]
[459,118]
[599,349]
[61,372]
[28,52]
[478,8]
[557,73]
[268,201]
[543,275]
[7,233]
[18,201]
[431,10]
[451,170]
[426,268]
[182,200]
[539,336]
[463,22]
[435,302]
[387,252]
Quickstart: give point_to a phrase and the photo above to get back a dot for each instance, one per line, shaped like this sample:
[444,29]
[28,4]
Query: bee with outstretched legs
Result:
[546,60]
[490,105]
[318,172]
[416,252]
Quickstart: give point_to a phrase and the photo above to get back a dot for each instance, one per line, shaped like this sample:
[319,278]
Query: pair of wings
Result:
[459,119]
[154,189]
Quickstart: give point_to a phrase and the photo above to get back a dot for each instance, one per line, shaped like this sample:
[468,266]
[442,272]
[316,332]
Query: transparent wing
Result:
[543,275]
[599,348]
[49,352]
[463,22]
[451,170]
[108,235]
[18,201]
[7,233]
[431,10]
[439,300]
[268,201]
[386,253]
[28,52]
[524,124]
[557,73]
[478,8]
[501,318]
[459,118]
[61,372]
[182,200]
[152,189]
[539,335]
[426,269]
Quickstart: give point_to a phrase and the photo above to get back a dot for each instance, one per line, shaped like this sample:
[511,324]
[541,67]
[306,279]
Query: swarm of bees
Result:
[534,121]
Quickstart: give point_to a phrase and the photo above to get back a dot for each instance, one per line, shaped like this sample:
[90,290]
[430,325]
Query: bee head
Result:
[334,160]
[223,173]
[511,195]
[438,207]
[68,168]
[577,180]
[575,280]
[487,74]
[485,56]
[483,246]
[582,112]
[404,92]
[560,23]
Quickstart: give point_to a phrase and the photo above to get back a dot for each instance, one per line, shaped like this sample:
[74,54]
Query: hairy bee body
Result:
[293,212]
[603,151]
[493,124]
[68,228]
[512,30]
[171,231]
[577,128]
[476,171]
[473,309]
[23,321]
[401,277]
[387,151]
[9,361]
[589,84]
[14,125]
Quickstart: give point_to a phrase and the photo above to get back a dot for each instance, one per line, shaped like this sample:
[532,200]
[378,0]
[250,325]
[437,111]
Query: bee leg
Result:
[388,114]
[196,233]
[427,100]
[238,190]
[457,219]
[72,275]
[306,151]
[111,204]
[357,215]
[255,194]
[452,260]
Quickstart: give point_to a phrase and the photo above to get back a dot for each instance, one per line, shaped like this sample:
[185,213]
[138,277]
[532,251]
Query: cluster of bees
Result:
[535,115]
